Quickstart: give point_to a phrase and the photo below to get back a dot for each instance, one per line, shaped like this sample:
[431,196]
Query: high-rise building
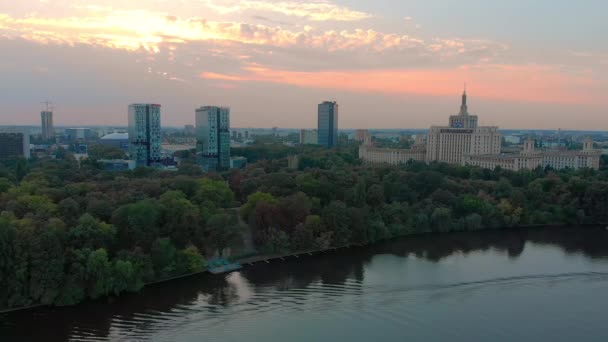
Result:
[48,131]
[309,137]
[328,124]
[213,137]
[463,137]
[144,134]
[14,144]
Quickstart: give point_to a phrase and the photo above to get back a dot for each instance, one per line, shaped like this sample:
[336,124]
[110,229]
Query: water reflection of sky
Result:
[500,286]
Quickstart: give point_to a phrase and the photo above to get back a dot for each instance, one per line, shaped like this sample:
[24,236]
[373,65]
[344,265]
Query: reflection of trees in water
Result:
[207,293]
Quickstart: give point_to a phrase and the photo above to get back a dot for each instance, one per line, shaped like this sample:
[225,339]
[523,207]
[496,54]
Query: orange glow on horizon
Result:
[528,83]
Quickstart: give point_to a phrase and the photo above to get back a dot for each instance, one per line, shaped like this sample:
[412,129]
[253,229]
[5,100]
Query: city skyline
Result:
[408,59]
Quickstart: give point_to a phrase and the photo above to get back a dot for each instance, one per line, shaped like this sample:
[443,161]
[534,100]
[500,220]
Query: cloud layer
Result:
[238,46]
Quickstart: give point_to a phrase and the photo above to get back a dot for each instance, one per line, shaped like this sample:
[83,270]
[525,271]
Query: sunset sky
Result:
[388,63]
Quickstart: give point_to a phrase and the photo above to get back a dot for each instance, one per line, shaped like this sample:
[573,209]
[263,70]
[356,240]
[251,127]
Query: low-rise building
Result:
[14,144]
[309,137]
[238,162]
[530,158]
[116,139]
[78,134]
[117,164]
[361,135]
[371,154]
[293,162]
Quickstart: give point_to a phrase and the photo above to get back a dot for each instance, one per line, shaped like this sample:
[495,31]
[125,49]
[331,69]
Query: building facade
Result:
[48,130]
[530,158]
[309,137]
[14,144]
[361,135]
[76,134]
[116,139]
[463,137]
[213,137]
[145,134]
[328,124]
[117,164]
[374,155]
[463,142]
[238,162]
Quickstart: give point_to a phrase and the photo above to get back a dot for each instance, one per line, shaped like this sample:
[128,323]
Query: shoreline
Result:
[254,259]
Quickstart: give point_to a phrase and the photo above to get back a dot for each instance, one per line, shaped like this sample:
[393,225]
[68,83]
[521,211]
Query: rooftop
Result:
[116,136]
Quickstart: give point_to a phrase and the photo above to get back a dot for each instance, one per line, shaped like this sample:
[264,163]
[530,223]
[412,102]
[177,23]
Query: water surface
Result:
[520,285]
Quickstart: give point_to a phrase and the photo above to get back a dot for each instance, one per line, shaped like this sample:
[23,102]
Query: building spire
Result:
[464,110]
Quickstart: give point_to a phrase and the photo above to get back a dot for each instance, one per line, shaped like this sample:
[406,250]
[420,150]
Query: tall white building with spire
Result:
[464,142]
[462,137]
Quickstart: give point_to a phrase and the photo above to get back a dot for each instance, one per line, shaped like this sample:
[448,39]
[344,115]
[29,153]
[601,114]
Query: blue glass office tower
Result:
[328,124]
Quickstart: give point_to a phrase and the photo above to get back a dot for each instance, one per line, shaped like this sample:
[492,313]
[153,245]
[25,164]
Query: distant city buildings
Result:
[145,134]
[309,137]
[328,124]
[531,158]
[362,135]
[48,130]
[213,137]
[190,129]
[293,162]
[238,162]
[117,164]
[14,144]
[78,134]
[117,140]
[463,142]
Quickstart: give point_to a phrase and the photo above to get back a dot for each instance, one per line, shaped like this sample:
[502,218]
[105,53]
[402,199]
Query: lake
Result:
[517,285]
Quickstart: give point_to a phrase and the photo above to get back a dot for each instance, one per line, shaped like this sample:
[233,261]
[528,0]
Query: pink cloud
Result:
[528,83]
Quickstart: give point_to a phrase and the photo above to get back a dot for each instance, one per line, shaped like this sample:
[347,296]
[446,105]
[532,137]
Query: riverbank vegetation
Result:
[70,232]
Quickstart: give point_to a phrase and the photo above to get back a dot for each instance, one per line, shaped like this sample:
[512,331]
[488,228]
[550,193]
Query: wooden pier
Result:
[267,259]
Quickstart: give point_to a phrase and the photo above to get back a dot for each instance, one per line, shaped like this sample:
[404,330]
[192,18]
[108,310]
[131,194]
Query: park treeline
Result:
[71,232]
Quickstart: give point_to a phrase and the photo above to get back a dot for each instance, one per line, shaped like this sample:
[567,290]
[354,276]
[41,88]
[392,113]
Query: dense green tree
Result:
[46,264]
[74,288]
[91,233]
[98,274]
[337,220]
[5,184]
[302,239]
[179,219]
[125,277]
[138,223]
[223,229]
[441,220]
[215,191]
[21,169]
[57,244]
[252,201]
[164,258]
[193,260]
[375,195]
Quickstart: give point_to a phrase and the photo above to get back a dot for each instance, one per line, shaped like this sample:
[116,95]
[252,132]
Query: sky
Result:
[539,64]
